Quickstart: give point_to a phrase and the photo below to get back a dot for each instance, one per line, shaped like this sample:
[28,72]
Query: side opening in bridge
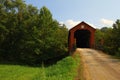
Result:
[82,38]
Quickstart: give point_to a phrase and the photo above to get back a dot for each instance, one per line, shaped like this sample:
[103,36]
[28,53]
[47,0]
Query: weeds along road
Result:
[99,66]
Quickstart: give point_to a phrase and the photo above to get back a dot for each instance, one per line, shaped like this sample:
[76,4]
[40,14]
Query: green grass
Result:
[65,69]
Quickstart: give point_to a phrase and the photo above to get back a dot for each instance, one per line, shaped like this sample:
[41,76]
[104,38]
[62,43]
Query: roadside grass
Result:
[80,69]
[66,69]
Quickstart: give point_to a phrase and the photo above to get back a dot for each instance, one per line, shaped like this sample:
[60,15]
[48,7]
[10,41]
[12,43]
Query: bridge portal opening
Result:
[82,38]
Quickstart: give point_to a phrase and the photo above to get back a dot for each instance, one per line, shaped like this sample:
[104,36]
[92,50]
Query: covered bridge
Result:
[81,36]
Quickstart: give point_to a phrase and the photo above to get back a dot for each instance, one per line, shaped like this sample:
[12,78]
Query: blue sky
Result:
[98,13]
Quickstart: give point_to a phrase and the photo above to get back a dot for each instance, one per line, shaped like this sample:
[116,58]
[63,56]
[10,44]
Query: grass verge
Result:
[63,70]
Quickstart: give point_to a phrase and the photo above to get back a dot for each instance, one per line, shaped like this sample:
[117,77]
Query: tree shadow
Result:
[46,63]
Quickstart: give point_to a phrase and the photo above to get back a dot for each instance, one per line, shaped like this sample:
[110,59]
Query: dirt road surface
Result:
[99,66]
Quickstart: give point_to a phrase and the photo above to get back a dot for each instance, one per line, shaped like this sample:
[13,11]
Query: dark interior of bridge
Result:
[82,38]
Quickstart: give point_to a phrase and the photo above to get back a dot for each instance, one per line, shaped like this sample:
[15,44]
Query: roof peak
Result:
[83,22]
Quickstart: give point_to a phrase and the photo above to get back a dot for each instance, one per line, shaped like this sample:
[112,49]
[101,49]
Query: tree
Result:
[111,38]
[29,35]
[116,36]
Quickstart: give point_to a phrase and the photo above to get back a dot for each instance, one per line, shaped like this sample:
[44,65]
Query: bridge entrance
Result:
[81,36]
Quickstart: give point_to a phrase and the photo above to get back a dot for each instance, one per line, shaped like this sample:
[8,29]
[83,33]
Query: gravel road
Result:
[99,66]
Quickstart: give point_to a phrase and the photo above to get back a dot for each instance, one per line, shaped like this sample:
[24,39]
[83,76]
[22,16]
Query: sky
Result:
[97,13]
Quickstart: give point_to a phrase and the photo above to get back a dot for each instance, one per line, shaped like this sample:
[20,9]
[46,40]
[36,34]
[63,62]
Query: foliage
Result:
[63,70]
[29,35]
[111,37]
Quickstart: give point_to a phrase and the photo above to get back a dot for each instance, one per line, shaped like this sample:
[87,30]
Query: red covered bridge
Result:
[81,36]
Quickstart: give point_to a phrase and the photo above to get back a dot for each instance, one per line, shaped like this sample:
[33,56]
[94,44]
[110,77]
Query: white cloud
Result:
[71,23]
[106,22]
[92,25]
[103,22]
